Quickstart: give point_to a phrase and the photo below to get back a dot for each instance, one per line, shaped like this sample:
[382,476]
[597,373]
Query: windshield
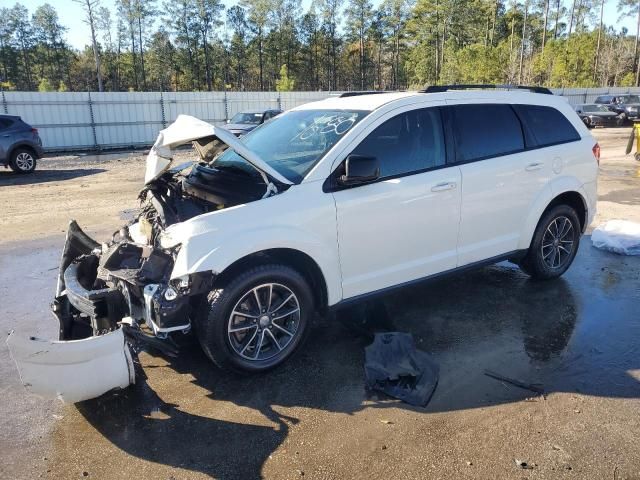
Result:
[249,118]
[630,99]
[293,142]
[595,108]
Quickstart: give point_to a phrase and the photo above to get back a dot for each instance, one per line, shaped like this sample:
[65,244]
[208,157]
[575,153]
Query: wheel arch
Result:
[23,146]
[576,201]
[546,201]
[296,259]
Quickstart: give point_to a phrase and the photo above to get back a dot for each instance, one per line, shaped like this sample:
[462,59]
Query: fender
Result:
[198,254]
[23,144]
[553,189]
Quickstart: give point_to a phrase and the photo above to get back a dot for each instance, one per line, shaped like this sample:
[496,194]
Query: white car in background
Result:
[329,203]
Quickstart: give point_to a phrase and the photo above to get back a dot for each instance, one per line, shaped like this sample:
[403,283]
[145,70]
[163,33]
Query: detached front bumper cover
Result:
[73,370]
[80,365]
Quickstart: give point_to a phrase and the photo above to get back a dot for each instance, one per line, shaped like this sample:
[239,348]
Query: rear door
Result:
[500,179]
[6,137]
[405,225]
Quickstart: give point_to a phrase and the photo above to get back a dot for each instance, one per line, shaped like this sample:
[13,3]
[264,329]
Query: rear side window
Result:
[485,130]
[547,125]
[5,123]
[407,143]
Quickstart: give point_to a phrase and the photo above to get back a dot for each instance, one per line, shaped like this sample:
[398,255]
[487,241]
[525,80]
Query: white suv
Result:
[328,203]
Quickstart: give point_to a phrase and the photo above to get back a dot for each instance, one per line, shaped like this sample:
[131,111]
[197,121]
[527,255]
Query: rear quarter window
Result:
[547,125]
[485,130]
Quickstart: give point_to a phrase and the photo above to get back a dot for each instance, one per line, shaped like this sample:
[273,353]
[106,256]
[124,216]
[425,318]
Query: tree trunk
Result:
[144,77]
[437,75]
[260,59]
[334,61]
[545,22]
[555,27]
[493,22]
[573,8]
[96,53]
[132,31]
[362,72]
[635,48]
[207,64]
[524,30]
[595,63]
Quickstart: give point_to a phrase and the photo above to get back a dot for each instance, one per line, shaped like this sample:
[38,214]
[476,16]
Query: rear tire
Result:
[257,320]
[554,245]
[22,161]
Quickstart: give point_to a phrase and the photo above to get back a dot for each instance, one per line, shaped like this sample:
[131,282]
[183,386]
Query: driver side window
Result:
[408,143]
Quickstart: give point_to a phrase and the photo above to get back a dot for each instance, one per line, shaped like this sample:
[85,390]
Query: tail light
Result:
[34,131]
[596,152]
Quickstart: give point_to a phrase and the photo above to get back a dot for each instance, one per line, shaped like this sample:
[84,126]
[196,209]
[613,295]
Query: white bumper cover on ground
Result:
[74,370]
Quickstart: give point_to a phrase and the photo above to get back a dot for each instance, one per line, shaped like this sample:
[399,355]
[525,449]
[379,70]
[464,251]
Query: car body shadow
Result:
[550,333]
[9,177]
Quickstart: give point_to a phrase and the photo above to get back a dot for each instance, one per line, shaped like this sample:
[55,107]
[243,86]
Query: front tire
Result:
[257,320]
[554,245]
[22,161]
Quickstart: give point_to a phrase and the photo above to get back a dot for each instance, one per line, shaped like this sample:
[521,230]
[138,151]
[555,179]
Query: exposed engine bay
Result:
[124,285]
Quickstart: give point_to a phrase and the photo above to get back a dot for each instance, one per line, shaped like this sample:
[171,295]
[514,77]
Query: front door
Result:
[404,226]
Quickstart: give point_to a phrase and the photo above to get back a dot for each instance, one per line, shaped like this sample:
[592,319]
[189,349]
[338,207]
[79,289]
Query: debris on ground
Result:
[534,387]
[394,366]
[618,236]
[524,465]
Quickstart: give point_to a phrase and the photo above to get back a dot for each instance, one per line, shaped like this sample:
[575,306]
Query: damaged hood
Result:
[187,129]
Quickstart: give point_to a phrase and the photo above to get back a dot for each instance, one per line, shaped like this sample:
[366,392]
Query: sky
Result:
[78,34]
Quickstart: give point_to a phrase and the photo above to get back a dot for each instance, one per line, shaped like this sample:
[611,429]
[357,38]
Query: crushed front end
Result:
[102,287]
[112,300]
[115,298]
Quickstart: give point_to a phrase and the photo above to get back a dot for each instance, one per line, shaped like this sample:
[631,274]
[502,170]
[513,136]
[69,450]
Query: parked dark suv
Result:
[20,144]
[625,104]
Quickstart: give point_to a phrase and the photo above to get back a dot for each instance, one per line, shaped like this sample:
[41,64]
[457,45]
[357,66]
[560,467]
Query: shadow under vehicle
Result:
[536,332]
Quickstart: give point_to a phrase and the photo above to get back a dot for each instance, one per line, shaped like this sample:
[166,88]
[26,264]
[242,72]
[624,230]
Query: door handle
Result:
[534,166]
[443,187]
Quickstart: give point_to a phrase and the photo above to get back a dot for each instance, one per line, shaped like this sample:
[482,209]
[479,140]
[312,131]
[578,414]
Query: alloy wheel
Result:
[24,161]
[558,242]
[264,322]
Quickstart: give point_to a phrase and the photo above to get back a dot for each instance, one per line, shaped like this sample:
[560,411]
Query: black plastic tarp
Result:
[394,366]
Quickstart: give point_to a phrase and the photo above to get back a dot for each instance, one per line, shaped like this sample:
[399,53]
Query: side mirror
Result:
[360,169]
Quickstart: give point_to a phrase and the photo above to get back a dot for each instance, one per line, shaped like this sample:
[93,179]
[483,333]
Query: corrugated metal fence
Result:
[94,121]
[576,96]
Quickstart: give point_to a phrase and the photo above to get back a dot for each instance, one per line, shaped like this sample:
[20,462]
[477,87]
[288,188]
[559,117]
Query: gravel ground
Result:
[312,418]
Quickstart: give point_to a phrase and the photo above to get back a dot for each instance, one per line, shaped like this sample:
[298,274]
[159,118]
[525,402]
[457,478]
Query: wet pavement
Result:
[577,335]
[312,418]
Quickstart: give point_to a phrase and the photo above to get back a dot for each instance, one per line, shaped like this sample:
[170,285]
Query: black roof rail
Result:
[358,93]
[445,88]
